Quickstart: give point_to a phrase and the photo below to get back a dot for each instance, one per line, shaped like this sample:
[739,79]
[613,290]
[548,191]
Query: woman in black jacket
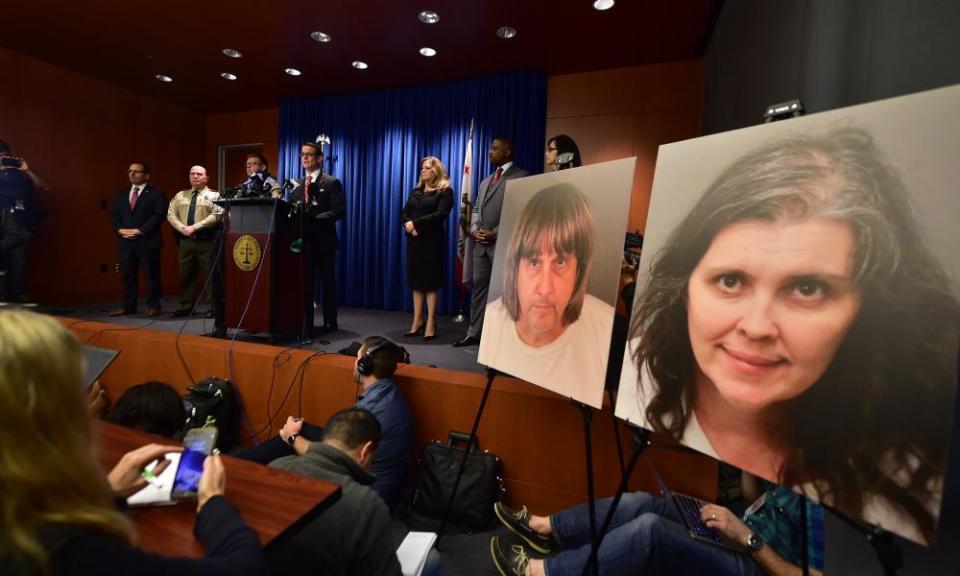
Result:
[423,216]
[57,511]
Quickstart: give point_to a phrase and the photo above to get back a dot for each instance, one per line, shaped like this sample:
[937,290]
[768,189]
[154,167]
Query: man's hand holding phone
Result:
[213,482]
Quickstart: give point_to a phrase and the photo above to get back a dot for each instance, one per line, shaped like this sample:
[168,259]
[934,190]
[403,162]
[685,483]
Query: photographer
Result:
[18,219]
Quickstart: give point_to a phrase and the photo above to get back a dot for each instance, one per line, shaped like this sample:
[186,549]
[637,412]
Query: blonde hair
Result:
[442,180]
[50,474]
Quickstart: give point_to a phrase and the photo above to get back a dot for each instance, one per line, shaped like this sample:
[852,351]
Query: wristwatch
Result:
[291,439]
[754,542]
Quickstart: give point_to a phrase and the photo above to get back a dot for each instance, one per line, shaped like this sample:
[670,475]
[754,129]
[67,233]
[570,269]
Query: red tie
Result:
[133,197]
[496,178]
[306,188]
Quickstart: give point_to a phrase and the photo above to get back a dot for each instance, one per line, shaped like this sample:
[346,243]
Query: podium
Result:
[264,280]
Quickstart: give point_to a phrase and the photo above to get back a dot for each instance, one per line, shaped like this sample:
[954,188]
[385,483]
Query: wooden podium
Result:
[264,279]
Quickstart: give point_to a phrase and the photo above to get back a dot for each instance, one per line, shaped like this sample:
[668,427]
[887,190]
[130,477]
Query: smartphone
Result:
[197,445]
[10,162]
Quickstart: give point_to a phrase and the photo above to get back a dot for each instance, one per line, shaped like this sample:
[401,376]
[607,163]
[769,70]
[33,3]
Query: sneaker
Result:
[509,556]
[518,521]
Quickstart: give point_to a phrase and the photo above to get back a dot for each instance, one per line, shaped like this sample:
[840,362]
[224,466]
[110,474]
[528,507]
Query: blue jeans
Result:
[645,534]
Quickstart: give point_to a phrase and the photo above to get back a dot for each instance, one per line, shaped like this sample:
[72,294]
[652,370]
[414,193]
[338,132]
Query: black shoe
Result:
[208,314]
[509,555]
[218,332]
[327,328]
[518,521]
[466,341]
[432,336]
[416,332]
[179,313]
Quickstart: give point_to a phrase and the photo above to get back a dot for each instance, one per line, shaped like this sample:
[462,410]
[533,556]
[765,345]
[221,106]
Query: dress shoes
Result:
[218,332]
[154,312]
[208,314]
[466,341]
[178,313]
[416,332]
[121,312]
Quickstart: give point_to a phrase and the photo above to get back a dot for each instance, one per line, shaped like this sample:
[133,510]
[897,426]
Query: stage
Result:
[355,324]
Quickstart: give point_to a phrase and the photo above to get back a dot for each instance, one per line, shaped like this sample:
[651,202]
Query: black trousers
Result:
[133,254]
[325,272]
[13,256]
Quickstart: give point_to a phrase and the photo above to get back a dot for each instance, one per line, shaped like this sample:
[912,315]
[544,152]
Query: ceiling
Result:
[128,42]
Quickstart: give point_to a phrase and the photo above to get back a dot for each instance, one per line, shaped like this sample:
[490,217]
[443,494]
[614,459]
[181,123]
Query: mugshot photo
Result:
[550,309]
[797,309]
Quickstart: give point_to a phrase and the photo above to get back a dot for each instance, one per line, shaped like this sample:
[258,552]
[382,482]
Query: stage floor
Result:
[355,324]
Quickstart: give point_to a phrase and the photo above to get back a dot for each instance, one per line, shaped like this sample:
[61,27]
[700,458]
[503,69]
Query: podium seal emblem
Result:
[246,253]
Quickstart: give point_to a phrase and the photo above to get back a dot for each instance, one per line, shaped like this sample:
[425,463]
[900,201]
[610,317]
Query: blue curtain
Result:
[377,142]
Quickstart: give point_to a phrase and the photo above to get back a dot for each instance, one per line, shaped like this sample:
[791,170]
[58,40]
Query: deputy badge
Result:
[246,252]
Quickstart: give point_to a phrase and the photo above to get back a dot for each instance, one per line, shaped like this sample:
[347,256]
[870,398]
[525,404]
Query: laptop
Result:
[688,508]
[96,361]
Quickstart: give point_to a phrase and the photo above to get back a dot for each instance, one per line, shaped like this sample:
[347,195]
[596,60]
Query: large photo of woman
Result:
[795,322]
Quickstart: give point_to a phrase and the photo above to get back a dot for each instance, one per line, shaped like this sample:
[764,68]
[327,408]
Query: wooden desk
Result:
[275,503]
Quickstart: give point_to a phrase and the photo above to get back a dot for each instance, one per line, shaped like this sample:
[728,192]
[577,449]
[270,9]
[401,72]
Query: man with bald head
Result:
[195,218]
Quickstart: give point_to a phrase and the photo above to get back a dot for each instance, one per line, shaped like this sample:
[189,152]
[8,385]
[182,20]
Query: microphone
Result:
[565,160]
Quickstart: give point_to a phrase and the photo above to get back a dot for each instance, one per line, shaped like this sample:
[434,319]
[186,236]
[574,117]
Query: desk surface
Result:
[274,503]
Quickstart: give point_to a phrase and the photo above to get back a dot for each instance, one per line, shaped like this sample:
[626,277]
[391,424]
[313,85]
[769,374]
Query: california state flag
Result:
[464,242]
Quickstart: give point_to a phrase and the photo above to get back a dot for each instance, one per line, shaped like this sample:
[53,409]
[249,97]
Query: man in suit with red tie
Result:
[322,199]
[138,210]
[484,223]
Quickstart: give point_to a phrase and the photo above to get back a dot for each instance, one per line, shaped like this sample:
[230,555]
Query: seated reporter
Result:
[373,372]
[57,510]
[354,536]
[646,534]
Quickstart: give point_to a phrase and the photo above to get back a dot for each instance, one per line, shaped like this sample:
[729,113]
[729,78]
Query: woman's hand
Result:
[213,482]
[409,227]
[726,522]
[127,476]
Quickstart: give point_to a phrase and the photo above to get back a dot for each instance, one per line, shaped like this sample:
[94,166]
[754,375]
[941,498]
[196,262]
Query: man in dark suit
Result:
[322,198]
[484,223]
[138,210]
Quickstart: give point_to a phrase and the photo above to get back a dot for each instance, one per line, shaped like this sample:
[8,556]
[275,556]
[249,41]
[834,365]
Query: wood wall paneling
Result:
[81,134]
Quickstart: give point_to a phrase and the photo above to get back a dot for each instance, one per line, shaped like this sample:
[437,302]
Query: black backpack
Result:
[213,401]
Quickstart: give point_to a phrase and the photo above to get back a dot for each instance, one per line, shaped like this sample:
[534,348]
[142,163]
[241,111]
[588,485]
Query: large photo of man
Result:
[549,315]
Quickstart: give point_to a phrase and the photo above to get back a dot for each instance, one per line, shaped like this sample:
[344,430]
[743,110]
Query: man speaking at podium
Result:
[321,200]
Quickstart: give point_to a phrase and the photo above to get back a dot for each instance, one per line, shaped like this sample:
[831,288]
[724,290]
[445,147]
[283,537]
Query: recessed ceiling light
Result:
[228,76]
[359,64]
[231,53]
[292,71]
[428,52]
[163,78]
[320,36]
[429,17]
[506,32]
[603,4]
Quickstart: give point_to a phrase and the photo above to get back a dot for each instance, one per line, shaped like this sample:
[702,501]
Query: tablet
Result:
[96,361]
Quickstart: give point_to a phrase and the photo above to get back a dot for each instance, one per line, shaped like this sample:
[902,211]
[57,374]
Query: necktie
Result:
[134,196]
[496,178]
[306,188]
[192,212]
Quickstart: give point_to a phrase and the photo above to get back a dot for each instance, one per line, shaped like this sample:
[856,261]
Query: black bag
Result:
[213,400]
[480,486]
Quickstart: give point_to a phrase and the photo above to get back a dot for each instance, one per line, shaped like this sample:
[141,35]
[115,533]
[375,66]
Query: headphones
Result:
[365,363]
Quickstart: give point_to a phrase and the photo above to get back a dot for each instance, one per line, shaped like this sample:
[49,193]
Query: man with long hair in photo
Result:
[545,328]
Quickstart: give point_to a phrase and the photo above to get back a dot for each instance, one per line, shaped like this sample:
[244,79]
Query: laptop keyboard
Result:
[690,509]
